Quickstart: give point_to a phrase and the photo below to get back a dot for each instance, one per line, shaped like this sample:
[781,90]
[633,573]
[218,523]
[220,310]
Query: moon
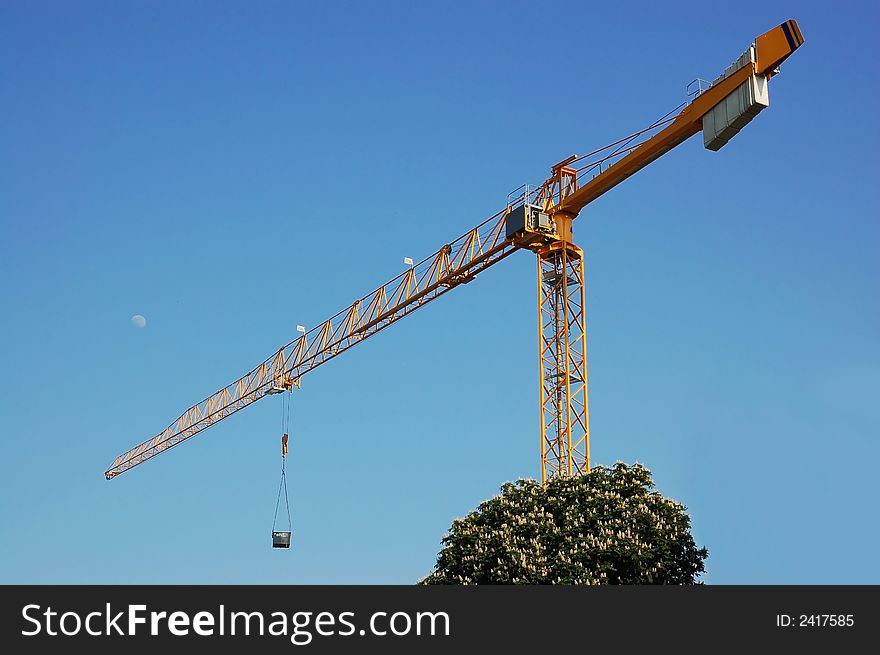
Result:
[138,321]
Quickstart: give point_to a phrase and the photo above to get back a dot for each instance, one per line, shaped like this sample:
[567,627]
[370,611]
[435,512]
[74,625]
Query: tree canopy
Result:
[609,526]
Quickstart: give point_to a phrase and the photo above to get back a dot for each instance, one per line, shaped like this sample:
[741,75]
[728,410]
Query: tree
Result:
[609,526]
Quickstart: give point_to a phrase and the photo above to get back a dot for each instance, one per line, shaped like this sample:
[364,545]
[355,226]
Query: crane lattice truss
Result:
[562,345]
[455,263]
[541,221]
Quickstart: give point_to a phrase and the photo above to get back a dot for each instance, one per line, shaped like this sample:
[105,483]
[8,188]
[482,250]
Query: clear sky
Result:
[229,170]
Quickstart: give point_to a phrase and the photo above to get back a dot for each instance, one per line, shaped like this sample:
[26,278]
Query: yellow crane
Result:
[539,220]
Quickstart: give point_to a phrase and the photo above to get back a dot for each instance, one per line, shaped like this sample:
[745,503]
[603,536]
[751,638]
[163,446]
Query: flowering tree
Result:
[606,527]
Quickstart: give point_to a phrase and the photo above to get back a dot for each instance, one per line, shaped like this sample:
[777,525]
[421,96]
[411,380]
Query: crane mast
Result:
[541,221]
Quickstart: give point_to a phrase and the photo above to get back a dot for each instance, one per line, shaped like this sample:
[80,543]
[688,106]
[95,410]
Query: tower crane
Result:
[538,220]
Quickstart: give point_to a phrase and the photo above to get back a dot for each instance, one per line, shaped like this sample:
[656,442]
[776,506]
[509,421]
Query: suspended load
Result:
[281,538]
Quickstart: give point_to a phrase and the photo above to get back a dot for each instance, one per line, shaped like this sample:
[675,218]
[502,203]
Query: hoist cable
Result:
[282,485]
[285,424]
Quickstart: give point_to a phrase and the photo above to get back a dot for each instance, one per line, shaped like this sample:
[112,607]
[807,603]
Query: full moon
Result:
[138,321]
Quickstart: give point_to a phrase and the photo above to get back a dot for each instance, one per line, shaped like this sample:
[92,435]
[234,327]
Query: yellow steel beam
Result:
[771,49]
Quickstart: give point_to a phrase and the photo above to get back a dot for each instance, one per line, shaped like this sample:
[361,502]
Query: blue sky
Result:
[229,170]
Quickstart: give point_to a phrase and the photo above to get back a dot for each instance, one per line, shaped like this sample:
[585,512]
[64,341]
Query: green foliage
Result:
[609,526]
